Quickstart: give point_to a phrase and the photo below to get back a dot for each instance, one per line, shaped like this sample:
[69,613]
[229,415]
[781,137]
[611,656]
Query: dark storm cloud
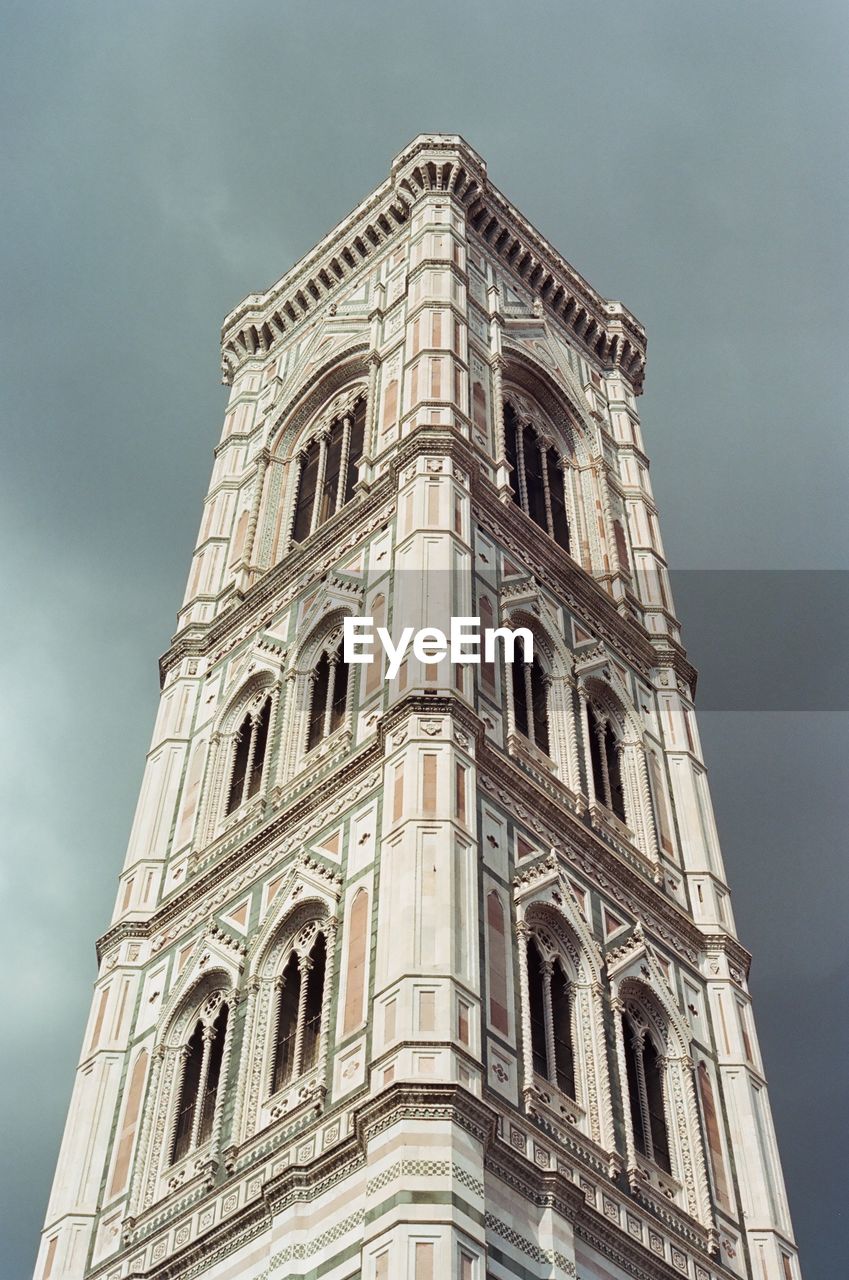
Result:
[162,160]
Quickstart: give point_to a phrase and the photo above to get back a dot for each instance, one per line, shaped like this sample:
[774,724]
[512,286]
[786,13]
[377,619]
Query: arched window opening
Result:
[530,699]
[604,760]
[644,1071]
[329,698]
[301,1001]
[200,1085]
[328,471]
[249,758]
[552,1049]
[536,477]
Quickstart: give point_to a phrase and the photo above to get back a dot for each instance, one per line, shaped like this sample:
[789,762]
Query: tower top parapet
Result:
[444,164]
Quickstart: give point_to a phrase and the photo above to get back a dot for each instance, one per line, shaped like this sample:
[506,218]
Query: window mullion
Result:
[298,466]
[305,965]
[644,1097]
[331,690]
[208,1036]
[342,484]
[543,457]
[548,1014]
[319,481]
[601,732]
[526,674]
[520,460]
[249,764]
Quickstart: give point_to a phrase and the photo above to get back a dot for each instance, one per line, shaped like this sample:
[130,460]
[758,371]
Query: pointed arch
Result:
[316,442]
[188,1080]
[560,401]
[575,1083]
[656,1077]
[291,969]
[320,687]
[542,692]
[242,743]
[615,764]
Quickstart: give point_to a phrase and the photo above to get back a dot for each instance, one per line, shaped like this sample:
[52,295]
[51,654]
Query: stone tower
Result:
[426,973]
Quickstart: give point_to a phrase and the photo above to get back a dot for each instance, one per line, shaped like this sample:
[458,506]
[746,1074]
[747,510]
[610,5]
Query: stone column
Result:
[343,461]
[585,732]
[320,478]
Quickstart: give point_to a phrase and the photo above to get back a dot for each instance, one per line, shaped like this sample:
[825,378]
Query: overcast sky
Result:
[160,161]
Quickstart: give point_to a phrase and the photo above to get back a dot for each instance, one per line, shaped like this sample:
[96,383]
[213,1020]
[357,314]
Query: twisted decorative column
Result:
[600,735]
[622,1070]
[523,933]
[297,467]
[333,660]
[520,461]
[342,483]
[332,934]
[649,829]
[547,967]
[304,968]
[543,443]
[208,1035]
[253,519]
[318,496]
[585,732]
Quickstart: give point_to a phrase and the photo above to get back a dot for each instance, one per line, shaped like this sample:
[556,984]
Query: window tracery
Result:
[550,1002]
[564,1054]
[656,1077]
[200,1080]
[646,1096]
[250,747]
[298,1015]
[328,696]
[605,756]
[536,477]
[287,1018]
[326,470]
[530,685]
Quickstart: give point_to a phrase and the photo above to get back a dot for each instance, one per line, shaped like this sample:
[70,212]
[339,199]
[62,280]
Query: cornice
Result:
[482,1119]
[560,573]
[301,806]
[442,164]
[355,519]
[600,863]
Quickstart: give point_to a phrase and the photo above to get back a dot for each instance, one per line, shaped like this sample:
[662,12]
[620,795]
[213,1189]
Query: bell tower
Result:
[424,967]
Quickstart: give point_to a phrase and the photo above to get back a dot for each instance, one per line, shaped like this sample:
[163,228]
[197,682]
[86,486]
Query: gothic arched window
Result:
[328,472]
[644,1068]
[530,698]
[536,478]
[329,697]
[551,1020]
[249,757]
[604,761]
[200,1084]
[300,1003]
